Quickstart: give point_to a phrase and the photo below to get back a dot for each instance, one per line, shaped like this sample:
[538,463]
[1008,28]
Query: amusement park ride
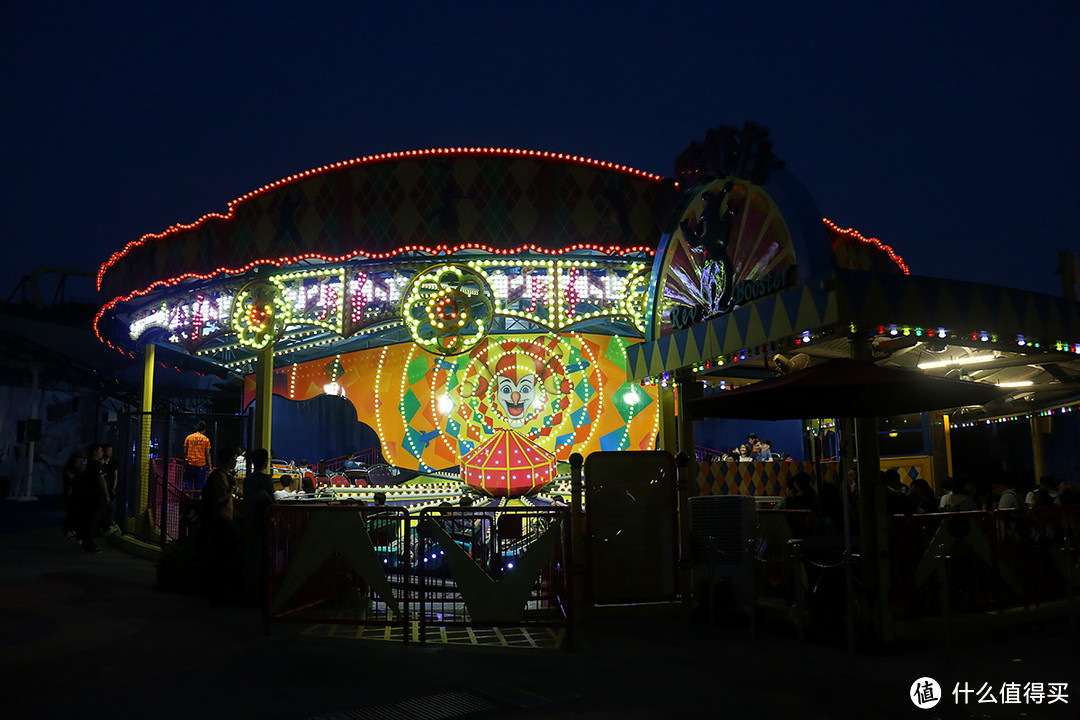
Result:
[488,312]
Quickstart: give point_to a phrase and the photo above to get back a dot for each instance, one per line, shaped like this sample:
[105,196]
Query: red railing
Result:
[369,456]
[169,501]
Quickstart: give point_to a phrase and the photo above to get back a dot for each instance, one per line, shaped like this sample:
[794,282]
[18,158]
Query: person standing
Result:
[197,458]
[73,468]
[108,466]
[220,545]
[90,495]
[258,497]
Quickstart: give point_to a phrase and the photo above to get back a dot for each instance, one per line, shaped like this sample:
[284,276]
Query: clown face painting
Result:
[516,384]
[515,397]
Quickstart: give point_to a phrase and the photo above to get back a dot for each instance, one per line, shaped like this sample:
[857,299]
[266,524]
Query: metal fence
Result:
[403,577]
[339,563]
[173,507]
[939,563]
[972,561]
[505,567]
[166,499]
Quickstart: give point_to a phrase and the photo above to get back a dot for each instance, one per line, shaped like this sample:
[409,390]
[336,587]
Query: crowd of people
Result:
[89,496]
[232,523]
[755,449]
[825,498]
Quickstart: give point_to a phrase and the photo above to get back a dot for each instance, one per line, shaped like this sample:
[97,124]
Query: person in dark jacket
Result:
[258,497]
[91,496]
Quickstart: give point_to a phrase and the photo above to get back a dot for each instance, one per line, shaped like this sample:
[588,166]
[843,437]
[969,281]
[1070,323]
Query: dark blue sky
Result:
[945,129]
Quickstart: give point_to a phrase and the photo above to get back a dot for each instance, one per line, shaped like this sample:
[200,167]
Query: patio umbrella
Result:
[844,388]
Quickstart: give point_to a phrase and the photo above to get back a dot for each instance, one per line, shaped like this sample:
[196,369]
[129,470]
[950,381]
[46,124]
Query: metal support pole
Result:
[577,538]
[874,531]
[795,554]
[686,561]
[264,397]
[145,431]
[163,522]
[668,436]
[1038,455]
[751,586]
[943,561]
[1070,586]
[712,594]
[849,579]
[948,445]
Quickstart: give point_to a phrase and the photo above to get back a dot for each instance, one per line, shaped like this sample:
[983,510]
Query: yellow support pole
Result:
[264,394]
[948,446]
[141,521]
[1037,453]
[669,435]
[146,408]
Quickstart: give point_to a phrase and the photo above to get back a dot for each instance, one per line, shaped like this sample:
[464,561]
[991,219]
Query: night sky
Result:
[944,129]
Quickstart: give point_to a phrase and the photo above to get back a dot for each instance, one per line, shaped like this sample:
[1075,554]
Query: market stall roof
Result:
[844,388]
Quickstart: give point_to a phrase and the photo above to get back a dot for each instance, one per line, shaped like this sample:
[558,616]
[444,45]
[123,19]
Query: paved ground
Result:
[89,636]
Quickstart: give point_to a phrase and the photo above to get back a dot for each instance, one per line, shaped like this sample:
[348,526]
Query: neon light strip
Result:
[853,233]
[972,360]
[1061,410]
[370,160]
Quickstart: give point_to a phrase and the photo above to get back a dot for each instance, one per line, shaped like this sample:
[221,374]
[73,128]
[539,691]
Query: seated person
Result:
[765,454]
[286,491]
[241,464]
[1068,493]
[1008,498]
[1049,487]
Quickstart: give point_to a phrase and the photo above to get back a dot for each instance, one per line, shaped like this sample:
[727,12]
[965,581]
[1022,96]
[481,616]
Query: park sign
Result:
[728,247]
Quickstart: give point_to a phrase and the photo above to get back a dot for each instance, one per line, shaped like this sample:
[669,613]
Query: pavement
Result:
[89,635]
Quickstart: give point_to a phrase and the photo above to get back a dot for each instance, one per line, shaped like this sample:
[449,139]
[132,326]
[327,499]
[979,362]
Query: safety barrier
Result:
[939,563]
[505,567]
[971,561]
[338,563]
[172,506]
[403,576]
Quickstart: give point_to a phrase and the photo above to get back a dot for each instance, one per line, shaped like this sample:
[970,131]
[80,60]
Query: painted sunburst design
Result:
[756,243]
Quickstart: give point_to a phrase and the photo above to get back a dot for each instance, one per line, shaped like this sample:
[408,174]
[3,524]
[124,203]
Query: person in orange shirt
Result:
[196,458]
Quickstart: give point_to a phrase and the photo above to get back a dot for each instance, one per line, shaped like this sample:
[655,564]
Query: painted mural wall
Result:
[565,393]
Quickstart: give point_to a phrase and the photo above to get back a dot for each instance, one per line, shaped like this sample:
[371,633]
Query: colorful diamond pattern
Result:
[416,433]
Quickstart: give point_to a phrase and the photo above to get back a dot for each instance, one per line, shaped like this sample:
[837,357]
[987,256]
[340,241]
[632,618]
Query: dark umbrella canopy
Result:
[844,388]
